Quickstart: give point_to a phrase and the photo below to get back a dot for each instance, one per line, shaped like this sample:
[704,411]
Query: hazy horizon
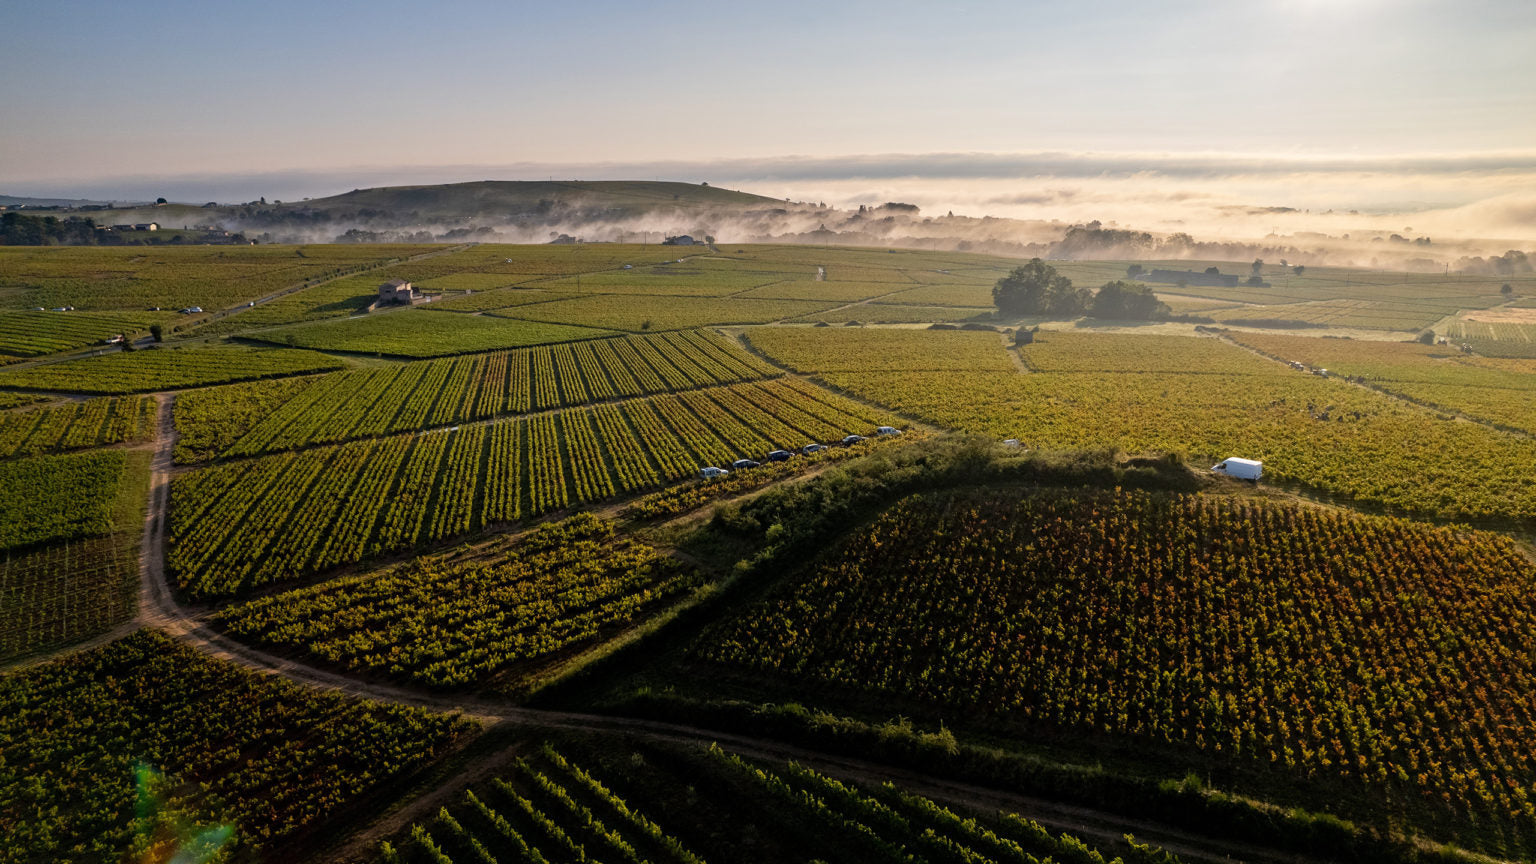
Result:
[1224,119]
[1486,196]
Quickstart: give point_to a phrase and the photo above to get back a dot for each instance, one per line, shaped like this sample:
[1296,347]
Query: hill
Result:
[503,197]
[486,210]
[19,201]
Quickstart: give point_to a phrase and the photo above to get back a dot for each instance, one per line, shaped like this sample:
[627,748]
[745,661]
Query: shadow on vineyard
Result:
[576,797]
[1084,610]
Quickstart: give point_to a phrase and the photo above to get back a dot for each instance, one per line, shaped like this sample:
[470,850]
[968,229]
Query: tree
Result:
[1213,271]
[1506,289]
[1127,301]
[157,331]
[1258,266]
[1037,289]
[1069,303]
[1135,270]
[1299,269]
[1427,337]
[159,201]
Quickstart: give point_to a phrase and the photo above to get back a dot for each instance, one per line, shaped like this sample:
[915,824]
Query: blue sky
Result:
[108,91]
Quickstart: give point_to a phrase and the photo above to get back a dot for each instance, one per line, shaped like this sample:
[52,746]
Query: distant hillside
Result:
[24,202]
[626,198]
[520,211]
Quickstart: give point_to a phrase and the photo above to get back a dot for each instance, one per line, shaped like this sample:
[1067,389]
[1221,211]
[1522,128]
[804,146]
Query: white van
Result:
[1242,469]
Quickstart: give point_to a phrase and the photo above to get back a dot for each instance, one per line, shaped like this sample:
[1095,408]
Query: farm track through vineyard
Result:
[159,608]
[1387,391]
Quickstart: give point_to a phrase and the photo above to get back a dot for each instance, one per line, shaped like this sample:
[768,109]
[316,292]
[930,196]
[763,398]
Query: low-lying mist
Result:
[1421,214]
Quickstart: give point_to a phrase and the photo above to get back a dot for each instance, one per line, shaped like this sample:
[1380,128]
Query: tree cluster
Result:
[1037,289]
[19,229]
[1128,301]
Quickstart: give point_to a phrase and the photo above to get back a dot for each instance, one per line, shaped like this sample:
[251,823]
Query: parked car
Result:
[812,448]
[887,430]
[779,456]
[711,473]
[743,463]
[852,440]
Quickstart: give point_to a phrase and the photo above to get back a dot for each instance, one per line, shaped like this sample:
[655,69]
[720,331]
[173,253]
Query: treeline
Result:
[1511,263]
[18,229]
[1037,289]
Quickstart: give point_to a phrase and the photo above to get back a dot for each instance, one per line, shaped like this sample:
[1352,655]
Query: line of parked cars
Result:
[712,472]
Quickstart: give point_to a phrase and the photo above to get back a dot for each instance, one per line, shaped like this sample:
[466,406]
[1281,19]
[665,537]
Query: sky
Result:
[1386,105]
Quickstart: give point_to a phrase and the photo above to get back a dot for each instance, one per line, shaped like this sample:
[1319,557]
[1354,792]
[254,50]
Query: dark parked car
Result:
[812,448]
[743,463]
[852,439]
[779,456]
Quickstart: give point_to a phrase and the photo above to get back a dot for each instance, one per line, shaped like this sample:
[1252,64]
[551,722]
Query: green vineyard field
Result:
[397,398]
[32,333]
[59,593]
[260,754]
[888,313]
[106,278]
[323,507]
[637,314]
[1377,651]
[1191,396]
[1493,390]
[690,805]
[484,301]
[519,604]
[209,420]
[421,333]
[168,369]
[66,497]
[75,425]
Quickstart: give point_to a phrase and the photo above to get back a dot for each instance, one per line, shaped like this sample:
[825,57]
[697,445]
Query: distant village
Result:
[33,225]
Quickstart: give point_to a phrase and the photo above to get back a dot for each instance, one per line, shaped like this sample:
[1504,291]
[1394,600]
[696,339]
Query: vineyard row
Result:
[444,623]
[92,423]
[281,516]
[549,807]
[369,403]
